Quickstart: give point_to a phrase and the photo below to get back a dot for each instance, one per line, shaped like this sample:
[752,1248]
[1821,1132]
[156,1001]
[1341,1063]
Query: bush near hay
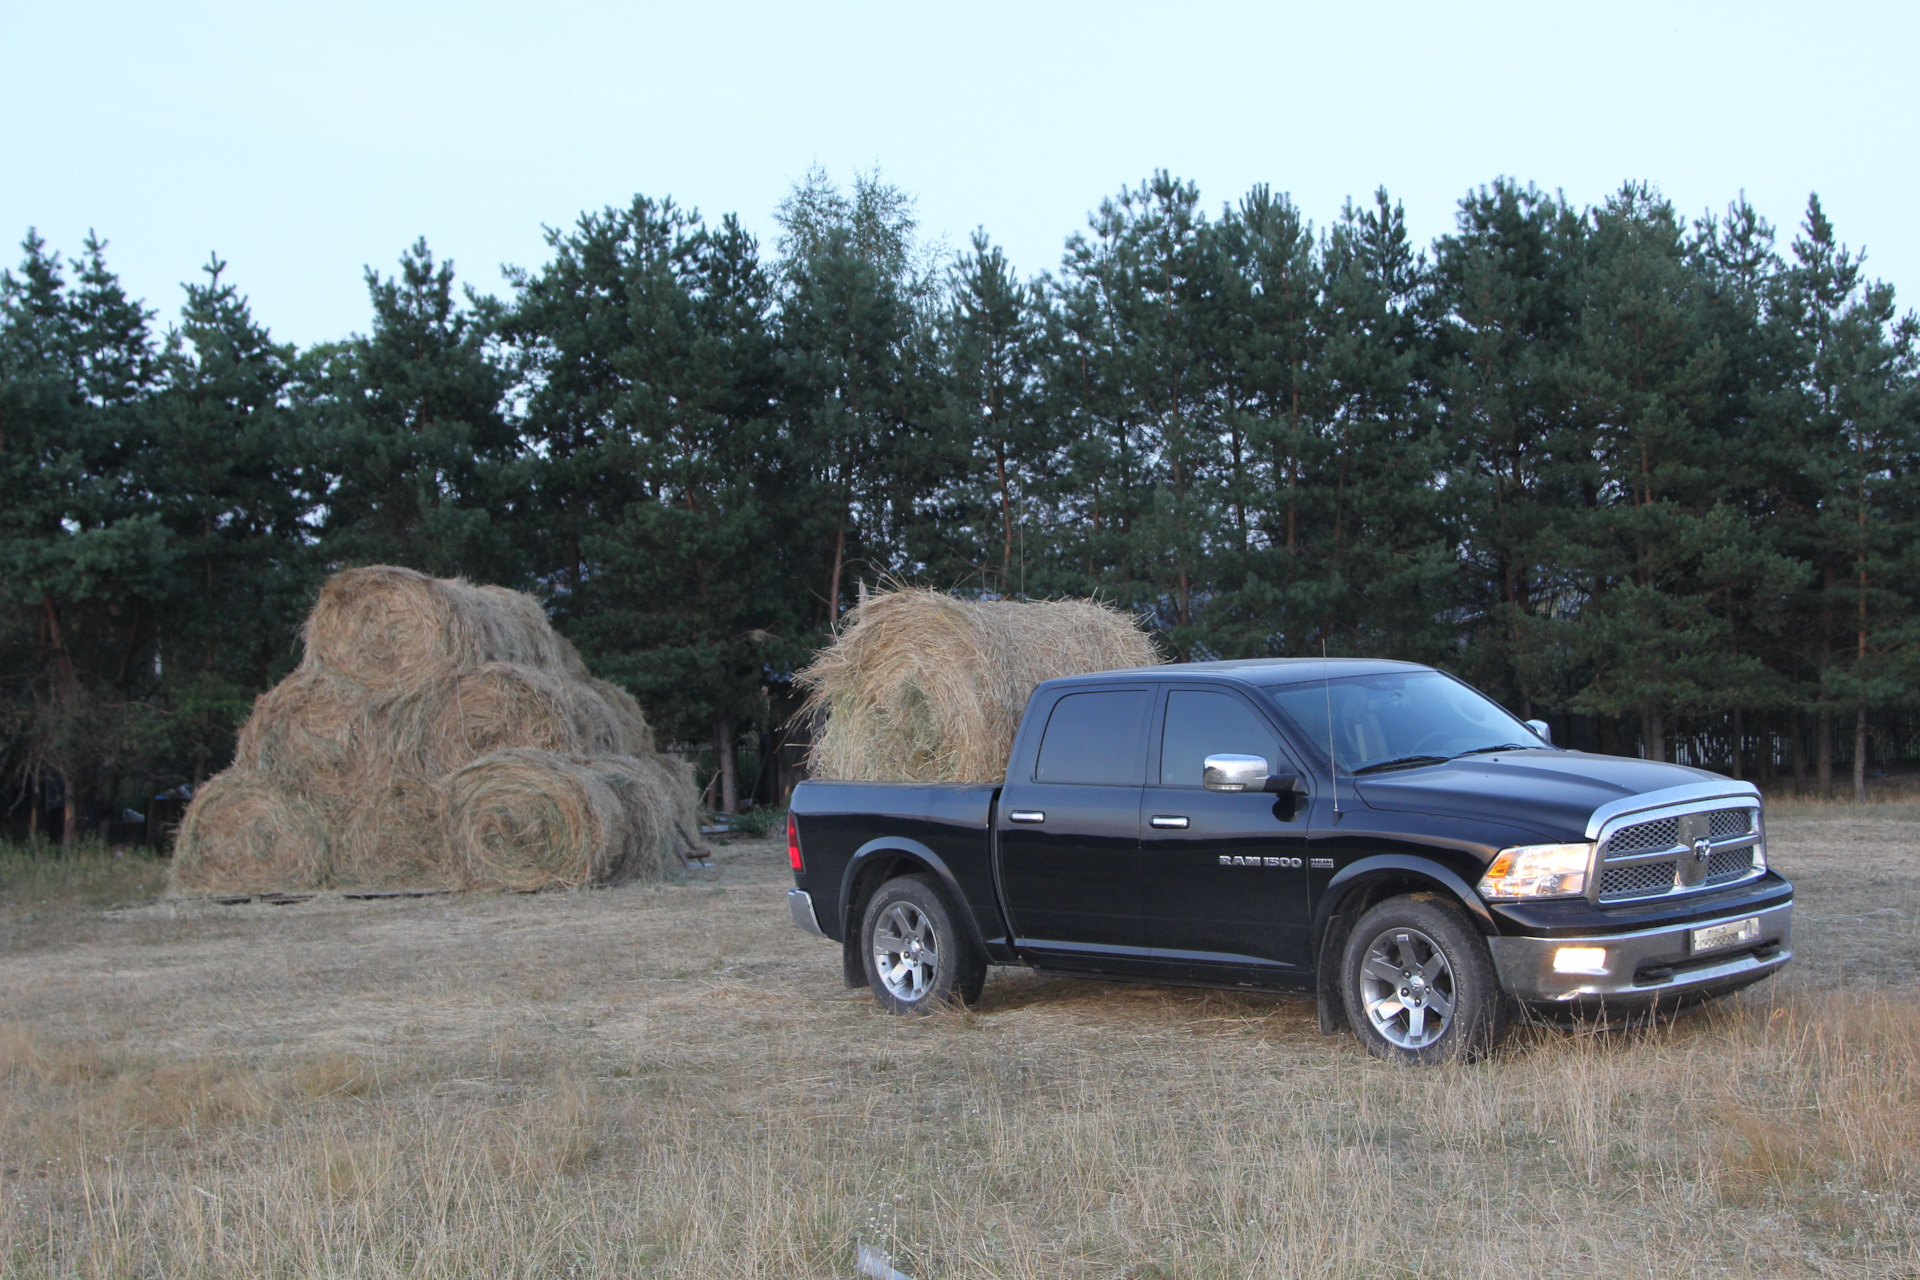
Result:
[758,822]
[923,687]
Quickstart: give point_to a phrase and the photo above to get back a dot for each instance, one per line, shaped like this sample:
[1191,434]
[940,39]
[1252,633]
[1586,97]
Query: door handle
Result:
[1026,815]
[1167,822]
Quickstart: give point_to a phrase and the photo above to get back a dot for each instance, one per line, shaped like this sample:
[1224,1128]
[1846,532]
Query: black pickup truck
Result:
[1377,833]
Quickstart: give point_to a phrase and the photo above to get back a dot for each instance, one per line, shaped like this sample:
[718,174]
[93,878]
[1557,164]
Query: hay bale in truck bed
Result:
[923,687]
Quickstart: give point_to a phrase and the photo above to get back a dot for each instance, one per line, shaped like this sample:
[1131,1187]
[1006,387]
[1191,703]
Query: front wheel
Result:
[1419,983]
[916,957]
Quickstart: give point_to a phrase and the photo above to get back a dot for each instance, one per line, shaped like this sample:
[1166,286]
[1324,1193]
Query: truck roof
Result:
[1261,672]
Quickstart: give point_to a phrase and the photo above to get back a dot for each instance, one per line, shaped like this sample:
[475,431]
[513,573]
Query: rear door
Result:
[1069,834]
[1223,874]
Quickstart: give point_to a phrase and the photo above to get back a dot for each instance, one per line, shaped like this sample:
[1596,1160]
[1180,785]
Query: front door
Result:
[1223,874]
[1069,835]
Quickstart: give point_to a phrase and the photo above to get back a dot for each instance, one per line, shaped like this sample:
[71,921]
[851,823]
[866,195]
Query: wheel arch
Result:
[1360,885]
[872,865]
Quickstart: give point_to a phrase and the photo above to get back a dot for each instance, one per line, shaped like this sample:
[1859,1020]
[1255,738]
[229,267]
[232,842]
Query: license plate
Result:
[1732,933]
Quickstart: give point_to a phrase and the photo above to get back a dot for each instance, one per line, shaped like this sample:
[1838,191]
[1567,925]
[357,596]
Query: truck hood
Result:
[1552,792]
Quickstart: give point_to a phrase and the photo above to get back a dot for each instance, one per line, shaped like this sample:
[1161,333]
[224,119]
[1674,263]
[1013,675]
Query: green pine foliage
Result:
[1654,477]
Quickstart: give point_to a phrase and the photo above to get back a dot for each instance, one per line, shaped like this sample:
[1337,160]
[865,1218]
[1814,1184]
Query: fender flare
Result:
[902,846]
[1438,872]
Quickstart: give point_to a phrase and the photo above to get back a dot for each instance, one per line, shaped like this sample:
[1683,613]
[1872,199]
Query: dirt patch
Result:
[670,1080]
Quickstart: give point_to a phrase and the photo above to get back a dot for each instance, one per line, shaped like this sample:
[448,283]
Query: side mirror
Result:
[1235,773]
[1540,727]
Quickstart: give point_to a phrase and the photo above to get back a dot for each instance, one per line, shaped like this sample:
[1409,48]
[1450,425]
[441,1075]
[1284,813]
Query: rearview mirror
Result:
[1543,729]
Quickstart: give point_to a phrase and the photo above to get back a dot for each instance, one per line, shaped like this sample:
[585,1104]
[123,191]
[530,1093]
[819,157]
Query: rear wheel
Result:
[1419,983]
[915,955]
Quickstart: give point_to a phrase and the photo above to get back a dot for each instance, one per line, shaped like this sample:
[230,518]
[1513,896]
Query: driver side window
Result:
[1201,723]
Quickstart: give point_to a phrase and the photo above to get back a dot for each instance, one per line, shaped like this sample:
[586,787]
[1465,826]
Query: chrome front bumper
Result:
[1648,965]
[800,902]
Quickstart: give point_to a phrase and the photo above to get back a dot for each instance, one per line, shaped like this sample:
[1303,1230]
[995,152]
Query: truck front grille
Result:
[1646,837]
[1723,823]
[1729,864]
[1654,858]
[1636,880]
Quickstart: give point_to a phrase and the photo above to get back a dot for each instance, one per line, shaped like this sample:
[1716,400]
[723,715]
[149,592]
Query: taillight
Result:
[793,844]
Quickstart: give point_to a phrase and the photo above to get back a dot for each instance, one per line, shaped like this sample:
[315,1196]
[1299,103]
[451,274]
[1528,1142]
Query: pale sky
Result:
[304,141]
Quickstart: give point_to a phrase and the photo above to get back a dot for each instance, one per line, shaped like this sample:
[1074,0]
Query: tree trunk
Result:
[1797,742]
[70,827]
[833,585]
[1653,734]
[1823,752]
[1860,756]
[723,757]
[1739,736]
[1006,521]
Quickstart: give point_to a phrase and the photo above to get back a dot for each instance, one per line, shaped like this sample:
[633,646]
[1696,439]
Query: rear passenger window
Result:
[1098,738]
[1202,724]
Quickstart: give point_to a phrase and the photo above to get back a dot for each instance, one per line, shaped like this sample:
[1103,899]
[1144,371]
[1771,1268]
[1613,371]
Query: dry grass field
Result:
[671,1081]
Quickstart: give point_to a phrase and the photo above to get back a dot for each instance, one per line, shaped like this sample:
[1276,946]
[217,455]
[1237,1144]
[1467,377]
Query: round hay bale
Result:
[571,662]
[609,720]
[657,799]
[517,629]
[396,838]
[684,795]
[495,707]
[243,833]
[308,734]
[526,819]
[923,687]
[395,630]
[392,629]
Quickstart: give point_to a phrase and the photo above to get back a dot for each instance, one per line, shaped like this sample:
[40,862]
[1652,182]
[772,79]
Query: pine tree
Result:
[234,481]
[855,323]
[992,340]
[85,559]
[1138,286]
[1507,318]
[423,467]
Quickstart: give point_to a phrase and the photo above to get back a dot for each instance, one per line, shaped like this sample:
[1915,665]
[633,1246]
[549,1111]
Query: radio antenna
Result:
[1326,684]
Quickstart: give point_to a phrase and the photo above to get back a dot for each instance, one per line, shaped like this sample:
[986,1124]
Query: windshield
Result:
[1399,719]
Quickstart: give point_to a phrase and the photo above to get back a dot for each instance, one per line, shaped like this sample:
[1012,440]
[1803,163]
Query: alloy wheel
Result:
[1406,987]
[905,952]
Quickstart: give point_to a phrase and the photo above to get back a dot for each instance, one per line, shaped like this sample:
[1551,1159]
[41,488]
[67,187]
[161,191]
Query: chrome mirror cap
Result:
[1235,773]
[1541,728]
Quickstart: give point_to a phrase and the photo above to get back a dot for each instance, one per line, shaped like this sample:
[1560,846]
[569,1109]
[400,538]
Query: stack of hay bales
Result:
[923,687]
[436,735]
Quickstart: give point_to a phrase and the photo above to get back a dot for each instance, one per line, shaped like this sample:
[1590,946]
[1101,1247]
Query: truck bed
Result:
[949,826]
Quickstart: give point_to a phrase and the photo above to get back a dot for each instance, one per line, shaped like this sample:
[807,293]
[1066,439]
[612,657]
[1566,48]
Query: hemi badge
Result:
[1321,864]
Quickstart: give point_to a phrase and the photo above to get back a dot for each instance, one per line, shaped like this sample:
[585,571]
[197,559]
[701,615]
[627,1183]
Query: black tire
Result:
[1411,960]
[916,956]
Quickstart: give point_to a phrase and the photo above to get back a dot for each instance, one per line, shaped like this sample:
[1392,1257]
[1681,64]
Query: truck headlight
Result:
[1538,871]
